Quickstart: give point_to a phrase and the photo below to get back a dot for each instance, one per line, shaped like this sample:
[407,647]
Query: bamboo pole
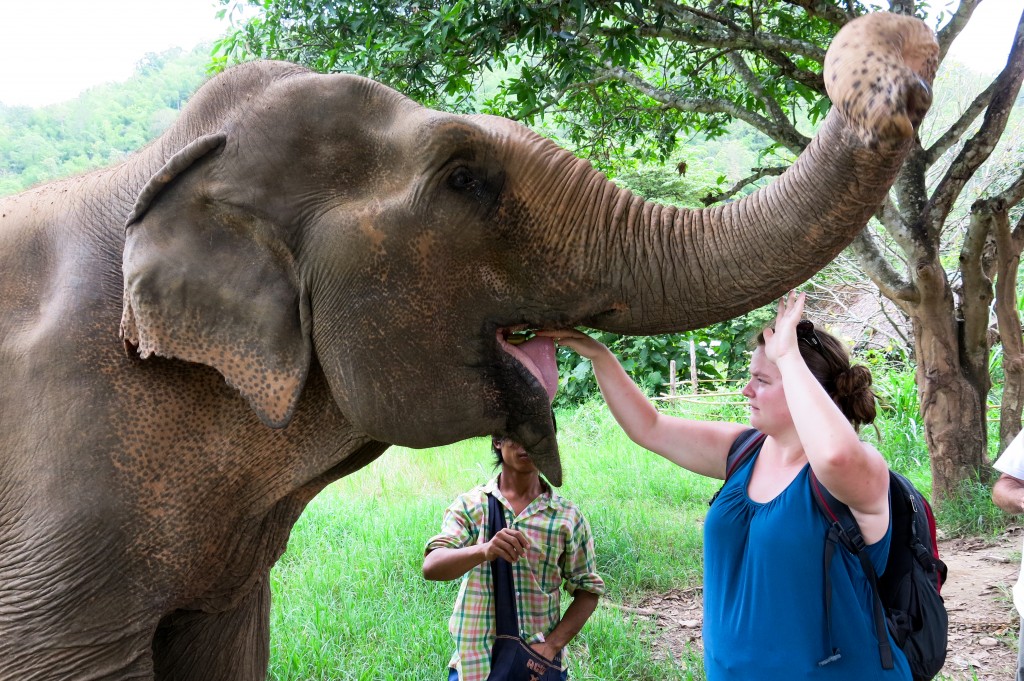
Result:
[693,366]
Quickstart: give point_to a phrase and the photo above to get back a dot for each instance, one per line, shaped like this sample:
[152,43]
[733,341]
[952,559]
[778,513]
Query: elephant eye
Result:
[462,180]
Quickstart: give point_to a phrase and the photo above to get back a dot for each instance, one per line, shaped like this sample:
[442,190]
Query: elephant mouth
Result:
[536,354]
[530,378]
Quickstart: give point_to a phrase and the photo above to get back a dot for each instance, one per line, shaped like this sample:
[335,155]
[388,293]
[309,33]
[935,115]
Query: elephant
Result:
[305,269]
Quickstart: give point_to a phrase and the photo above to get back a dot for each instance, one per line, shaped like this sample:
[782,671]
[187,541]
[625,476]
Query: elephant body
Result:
[303,270]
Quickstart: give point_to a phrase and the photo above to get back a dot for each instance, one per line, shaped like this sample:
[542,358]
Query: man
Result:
[1008,494]
[546,539]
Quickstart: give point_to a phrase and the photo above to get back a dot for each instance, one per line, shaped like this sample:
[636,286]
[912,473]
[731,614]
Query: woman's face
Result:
[769,412]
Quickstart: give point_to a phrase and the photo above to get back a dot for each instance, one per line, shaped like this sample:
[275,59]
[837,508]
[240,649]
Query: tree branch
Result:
[758,174]
[843,301]
[747,76]
[759,42]
[891,218]
[950,31]
[727,34]
[824,10]
[703,105]
[976,265]
[1013,194]
[977,149]
[873,262]
[957,130]
[897,327]
[1008,318]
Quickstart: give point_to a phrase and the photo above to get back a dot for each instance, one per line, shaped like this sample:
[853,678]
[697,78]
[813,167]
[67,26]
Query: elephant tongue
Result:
[538,356]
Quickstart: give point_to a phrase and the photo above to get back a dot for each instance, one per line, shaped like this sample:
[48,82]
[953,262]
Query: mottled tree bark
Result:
[954,421]
[1008,249]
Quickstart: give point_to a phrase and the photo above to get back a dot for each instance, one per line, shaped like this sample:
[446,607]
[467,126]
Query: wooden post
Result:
[693,366]
[672,378]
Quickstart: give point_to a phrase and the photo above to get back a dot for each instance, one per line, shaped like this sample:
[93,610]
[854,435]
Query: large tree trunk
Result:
[1008,249]
[991,253]
[954,424]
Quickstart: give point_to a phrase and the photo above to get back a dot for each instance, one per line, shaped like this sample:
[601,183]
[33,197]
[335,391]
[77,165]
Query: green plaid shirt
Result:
[561,549]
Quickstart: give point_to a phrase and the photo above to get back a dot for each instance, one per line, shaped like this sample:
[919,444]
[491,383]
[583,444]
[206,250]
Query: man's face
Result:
[514,457]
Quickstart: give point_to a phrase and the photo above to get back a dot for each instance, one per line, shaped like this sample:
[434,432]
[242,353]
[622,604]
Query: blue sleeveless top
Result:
[764,591]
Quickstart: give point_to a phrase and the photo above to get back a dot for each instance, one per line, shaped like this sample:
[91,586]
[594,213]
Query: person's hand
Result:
[508,544]
[782,342]
[579,342]
[545,650]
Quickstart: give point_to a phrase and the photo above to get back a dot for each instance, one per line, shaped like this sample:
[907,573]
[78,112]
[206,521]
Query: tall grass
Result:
[898,432]
[349,601]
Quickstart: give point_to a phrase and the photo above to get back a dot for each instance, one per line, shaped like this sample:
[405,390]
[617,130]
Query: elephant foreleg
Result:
[234,645]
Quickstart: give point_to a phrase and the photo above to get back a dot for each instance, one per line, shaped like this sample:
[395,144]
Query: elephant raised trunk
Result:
[716,263]
[680,269]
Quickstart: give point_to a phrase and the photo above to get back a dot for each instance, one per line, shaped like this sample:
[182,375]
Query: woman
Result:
[764,612]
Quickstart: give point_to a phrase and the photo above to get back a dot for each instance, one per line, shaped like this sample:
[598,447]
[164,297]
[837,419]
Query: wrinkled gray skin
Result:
[346,260]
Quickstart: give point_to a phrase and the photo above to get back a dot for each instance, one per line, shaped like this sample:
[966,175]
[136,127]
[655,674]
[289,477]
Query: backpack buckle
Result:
[854,544]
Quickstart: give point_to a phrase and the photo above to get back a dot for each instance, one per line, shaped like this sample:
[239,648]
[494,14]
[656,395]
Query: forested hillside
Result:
[101,126]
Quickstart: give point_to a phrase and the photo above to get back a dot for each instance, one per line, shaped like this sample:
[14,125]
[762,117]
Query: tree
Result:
[617,79]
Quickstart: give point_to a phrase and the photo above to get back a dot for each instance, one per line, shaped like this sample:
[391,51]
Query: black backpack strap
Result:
[925,548]
[748,442]
[843,529]
[506,617]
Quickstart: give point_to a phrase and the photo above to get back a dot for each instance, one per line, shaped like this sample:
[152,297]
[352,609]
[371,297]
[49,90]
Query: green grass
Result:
[971,512]
[349,602]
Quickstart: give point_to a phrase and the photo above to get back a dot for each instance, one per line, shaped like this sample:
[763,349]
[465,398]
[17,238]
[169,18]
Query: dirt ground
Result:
[982,623]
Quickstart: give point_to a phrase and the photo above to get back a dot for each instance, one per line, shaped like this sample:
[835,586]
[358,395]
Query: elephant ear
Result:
[213,283]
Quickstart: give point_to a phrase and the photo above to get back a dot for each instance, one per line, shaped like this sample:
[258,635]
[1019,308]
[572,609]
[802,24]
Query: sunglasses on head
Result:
[805,332]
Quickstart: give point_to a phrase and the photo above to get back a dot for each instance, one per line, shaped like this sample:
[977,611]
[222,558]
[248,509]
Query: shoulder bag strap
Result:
[506,618]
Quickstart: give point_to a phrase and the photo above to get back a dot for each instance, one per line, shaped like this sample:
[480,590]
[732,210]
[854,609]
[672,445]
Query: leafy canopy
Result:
[99,128]
[614,78]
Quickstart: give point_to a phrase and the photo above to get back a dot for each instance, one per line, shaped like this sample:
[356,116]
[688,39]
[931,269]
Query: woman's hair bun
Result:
[853,394]
[853,380]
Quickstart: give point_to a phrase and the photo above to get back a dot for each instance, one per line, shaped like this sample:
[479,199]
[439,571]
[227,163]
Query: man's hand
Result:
[545,650]
[582,607]
[443,564]
[508,544]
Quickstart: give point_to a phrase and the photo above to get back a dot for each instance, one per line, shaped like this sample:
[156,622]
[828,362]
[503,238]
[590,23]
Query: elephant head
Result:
[306,222]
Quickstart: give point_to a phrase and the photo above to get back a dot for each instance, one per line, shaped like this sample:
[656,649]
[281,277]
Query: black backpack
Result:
[907,596]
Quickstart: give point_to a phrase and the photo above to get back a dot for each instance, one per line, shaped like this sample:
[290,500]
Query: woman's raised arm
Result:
[698,446]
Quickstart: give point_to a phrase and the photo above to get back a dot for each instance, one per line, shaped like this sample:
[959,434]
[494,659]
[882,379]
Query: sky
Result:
[51,50]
